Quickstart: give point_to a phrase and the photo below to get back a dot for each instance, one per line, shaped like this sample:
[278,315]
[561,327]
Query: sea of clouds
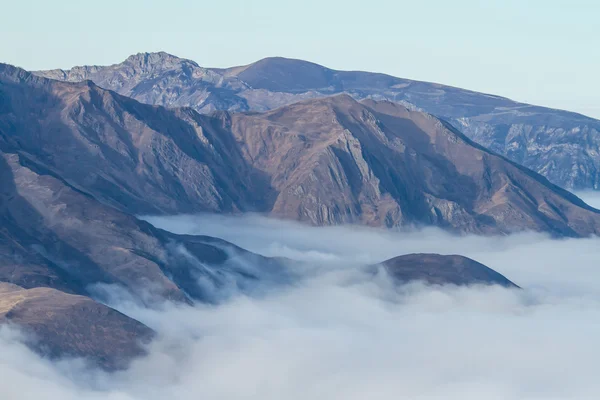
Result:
[338,334]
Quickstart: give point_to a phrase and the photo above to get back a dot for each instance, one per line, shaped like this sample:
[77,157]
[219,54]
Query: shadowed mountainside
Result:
[60,246]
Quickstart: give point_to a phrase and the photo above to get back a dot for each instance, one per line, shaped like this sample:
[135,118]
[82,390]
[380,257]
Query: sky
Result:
[537,51]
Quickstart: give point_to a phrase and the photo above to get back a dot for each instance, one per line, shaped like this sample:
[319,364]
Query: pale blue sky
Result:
[542,52]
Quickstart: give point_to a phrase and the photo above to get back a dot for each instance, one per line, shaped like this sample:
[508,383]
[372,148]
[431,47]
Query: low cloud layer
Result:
[341,335]
[591,197]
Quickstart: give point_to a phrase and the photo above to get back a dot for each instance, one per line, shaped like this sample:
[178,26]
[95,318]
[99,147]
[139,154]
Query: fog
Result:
[339,334]
[592,197]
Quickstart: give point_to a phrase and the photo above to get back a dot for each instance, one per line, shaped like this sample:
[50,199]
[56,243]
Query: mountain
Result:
[324,161]
[78,162]
[64,325]
[436,269]
[139,158]
[53,235]
[61,247]
[560,145]
[334,160]
[162,79]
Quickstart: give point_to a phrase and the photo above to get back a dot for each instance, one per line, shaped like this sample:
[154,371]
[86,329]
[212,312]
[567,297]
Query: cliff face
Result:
[562,146]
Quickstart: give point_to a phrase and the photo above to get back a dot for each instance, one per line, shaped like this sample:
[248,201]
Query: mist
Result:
[339,333]
[592,197]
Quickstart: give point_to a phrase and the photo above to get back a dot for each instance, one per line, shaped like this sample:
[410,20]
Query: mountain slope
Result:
[334,160]
[63,325]
[130,155]
[563,146]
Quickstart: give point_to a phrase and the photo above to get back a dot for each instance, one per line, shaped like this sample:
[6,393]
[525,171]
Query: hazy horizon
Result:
[538,53]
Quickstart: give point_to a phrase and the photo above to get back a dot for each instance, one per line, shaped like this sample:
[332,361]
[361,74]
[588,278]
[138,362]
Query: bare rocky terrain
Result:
[560,145]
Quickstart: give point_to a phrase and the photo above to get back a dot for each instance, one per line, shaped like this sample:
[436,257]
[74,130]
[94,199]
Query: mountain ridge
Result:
[561,145]
[393,166]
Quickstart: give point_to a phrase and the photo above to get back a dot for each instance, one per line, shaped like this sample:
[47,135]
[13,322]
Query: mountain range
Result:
[325,161]
[80,160]
[562,146]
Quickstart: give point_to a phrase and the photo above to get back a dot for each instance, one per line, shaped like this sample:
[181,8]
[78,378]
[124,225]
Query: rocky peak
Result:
[159,61]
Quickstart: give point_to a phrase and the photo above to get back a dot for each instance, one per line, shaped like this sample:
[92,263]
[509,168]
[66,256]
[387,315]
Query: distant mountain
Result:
[162,79]
[63,240]
[325,161]
[436,269]
[562,146]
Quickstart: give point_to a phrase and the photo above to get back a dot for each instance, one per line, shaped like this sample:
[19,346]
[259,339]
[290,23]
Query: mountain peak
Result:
[154,58]
[281,74]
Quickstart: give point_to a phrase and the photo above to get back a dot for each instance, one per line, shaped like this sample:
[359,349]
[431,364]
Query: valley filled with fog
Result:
[336,333]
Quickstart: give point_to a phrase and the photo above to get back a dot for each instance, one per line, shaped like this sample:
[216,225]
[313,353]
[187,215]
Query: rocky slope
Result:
[135,157]
[562,146]
[436,269]
[324,161]
[334,160]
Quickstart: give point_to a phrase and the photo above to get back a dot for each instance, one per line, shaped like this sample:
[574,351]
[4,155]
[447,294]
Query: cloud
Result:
[592,197]
[339,334]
